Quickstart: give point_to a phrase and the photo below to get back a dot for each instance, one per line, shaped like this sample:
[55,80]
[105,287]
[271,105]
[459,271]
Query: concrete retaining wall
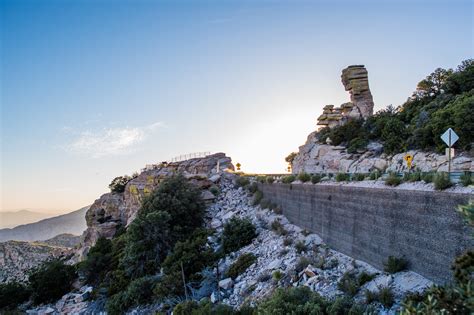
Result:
[371,224]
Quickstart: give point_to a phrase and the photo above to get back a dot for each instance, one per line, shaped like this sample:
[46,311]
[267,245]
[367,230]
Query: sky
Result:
[95,89]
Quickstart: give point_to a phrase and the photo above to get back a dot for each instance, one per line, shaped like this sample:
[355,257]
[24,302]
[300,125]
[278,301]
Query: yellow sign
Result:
[408,158]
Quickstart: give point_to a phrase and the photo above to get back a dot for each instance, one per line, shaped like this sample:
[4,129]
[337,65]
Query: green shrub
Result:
[288,179]
[386,297]
[214,190]
[304,177]
[315,178]
[414,177]
[427,177]
[348,283]
[253,187]
[277,275]
[395,264]
[50,281]
[302,263]
[294,300]
[237,234]
[463,267]
[370,296]
[365,277]
[12,294]
[393,180]
[278,227]
[96,265]
[257,197]
[442,181]
[466,179]
[340,305]
[242,181]
[300,247]
[139,291]
[261,179]
[270,180]
[291,157]
[358,177]
[238,267]
[374,175]
[467,211]
[342,177]
[118,184]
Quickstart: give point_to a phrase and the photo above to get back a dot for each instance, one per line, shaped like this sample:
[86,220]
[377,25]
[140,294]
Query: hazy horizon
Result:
[93,90]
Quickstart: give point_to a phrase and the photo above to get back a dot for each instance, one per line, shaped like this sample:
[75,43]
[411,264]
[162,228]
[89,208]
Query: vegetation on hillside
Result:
[444,99]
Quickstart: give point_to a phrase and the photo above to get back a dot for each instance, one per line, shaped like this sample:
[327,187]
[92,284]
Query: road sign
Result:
[449,137]
[408,158]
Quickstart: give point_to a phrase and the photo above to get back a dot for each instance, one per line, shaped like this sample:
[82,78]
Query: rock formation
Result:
[314,157]
[355,80]
[113,210]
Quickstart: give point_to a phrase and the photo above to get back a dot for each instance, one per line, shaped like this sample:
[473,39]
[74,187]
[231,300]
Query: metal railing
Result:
[189,156]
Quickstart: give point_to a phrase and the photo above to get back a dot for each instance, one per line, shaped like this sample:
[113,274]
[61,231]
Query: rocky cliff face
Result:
[113,210]
[319,158]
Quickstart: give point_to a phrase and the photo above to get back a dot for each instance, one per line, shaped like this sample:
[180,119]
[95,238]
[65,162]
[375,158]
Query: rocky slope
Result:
[113,210]
[17,258]
[72,223]
[314,157]
[277,252]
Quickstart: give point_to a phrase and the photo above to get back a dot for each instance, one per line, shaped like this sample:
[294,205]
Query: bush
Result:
[466,179]
[374,175]
[253,187]
[242,181]
[341,305]
[315,179]
[370,296]
[278,227]
[277,275]
[118,184]
[365,277]
[302,263]
[386,297]
[261,179]
[297,300]
[414,177]
[257,197]
[301,247]
[342,177]
[427,177]
[463,267]
[270,180]
[237,234]
[205,307]
[288,179]
[12,294]
[96,265]
[393,180]
[287,241]
[348,283]
[243,262]
[214,190]
[304,177]
[395,264]
[358,177]
[442,181]
[291,157]
[51,281]
[139,291]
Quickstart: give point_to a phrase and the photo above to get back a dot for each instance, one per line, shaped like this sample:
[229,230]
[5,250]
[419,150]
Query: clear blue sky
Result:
[95,89]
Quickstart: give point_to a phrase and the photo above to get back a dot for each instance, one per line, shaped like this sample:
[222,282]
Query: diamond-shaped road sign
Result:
[449,137]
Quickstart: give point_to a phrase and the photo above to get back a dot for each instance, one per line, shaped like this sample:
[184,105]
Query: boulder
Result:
[226,284]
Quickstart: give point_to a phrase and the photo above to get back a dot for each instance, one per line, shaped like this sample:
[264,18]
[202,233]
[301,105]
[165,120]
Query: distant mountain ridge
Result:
[70,223]
[10,219]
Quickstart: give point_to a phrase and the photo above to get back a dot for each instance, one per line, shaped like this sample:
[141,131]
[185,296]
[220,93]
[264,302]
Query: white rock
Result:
[226,283]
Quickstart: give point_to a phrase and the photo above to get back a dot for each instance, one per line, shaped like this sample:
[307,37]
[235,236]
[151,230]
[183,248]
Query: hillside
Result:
[71,223]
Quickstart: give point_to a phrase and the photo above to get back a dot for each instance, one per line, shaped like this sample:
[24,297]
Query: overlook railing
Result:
[188,156]
[455,177]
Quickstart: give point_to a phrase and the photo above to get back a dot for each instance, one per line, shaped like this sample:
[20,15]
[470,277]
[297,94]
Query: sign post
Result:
[449,137]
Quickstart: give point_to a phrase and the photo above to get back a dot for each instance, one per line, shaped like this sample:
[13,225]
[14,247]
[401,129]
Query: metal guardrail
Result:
[455,177]
[189,156]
